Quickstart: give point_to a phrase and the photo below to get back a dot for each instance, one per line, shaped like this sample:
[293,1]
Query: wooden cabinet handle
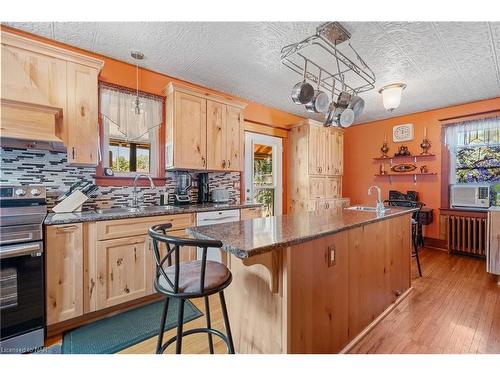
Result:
[229,163]
[223,164]
[73,152]
[203,161]
[65,229]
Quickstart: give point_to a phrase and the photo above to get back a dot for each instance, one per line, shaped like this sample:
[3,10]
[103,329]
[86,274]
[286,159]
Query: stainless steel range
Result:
[22,311]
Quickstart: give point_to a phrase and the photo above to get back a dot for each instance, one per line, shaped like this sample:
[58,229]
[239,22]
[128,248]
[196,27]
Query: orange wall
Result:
[363,142]
[123,74]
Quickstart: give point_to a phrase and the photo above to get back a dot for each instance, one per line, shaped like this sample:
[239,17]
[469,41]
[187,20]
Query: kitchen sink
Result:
[364,208]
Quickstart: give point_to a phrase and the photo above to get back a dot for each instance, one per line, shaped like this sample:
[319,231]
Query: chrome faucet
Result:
[135,202]
[380,204]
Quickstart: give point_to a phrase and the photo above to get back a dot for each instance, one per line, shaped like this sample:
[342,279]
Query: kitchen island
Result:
[313,283]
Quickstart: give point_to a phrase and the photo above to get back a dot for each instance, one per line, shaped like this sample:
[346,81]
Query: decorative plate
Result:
[404,167]
[402,133]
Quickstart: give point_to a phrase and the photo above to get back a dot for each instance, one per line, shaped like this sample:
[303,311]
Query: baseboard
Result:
[435,243]
[373,324]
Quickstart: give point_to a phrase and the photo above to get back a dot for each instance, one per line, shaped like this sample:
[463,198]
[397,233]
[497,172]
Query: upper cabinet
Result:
[50,94]
[204,131]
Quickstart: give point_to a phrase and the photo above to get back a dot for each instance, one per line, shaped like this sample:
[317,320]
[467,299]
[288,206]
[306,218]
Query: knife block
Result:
[73,202]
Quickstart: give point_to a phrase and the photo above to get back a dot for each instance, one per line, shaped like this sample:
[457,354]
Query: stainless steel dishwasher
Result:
[215,217]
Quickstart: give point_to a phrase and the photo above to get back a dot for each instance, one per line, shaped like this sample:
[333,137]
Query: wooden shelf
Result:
[391,175]
[404,157]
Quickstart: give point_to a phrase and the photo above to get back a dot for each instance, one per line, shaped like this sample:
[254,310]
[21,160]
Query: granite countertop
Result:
[256,236]
[125,213]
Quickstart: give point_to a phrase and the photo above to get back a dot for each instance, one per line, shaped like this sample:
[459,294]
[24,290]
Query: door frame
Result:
[277,144]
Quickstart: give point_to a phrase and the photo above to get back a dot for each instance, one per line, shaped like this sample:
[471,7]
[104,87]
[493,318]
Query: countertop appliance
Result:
[183,184]
[215,217]
[470,196]
[203,188]
[220,196]
[22,300]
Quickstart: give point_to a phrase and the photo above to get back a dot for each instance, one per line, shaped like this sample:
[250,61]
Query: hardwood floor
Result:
[453,308]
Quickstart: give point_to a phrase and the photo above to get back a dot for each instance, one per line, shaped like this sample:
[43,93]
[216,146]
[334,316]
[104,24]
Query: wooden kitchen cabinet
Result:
[50,94]
[124,270]
[204,131]
[250,213]
[82,134]
[64,272]
[316,166]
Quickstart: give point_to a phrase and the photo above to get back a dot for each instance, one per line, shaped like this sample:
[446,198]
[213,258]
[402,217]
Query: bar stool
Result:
[415,226]
[186,280]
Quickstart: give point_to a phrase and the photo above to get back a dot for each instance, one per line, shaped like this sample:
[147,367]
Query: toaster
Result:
[219,196]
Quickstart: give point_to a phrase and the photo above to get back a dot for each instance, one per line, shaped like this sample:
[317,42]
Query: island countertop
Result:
[256,236]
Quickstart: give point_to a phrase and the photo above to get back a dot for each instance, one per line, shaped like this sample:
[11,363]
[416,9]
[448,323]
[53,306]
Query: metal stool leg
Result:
[207,311]
[415,247]
[226,323]
[180,322]
[162,326]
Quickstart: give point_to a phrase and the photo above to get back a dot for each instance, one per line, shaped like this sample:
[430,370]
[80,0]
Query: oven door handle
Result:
[11,251]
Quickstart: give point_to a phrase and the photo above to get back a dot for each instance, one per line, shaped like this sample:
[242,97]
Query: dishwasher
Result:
[215,217]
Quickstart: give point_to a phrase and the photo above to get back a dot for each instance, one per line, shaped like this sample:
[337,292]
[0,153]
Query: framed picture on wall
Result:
[402,133]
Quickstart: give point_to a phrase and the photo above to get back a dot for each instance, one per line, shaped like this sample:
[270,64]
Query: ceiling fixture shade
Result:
[391,95]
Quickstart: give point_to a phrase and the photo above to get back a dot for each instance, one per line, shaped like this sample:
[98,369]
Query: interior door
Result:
[263,172]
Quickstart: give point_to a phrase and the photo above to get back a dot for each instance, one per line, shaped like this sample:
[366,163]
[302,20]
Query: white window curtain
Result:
[458,135]
[118,107]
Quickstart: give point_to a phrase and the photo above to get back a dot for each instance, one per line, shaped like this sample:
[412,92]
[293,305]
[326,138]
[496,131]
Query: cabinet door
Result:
[33,78]
[314,145]
[493,246]
[234,146]
[339,154]
[64,272]
[124,270]
[333,187]
[216,135]
[81,125]
[322,294]
[316,187]
[190,132]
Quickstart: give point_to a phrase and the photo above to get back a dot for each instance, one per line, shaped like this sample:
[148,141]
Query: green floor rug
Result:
[110,335]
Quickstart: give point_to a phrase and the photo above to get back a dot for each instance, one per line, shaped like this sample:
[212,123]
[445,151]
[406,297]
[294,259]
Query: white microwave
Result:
[470,196]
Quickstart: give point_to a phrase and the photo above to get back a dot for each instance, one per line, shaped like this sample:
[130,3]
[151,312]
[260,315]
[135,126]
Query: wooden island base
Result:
[322,295]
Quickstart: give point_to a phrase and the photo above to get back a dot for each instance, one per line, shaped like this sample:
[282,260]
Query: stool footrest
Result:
[197,330]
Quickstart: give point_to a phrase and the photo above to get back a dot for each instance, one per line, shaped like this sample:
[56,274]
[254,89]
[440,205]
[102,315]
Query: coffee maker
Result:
[203,189]
[183,184]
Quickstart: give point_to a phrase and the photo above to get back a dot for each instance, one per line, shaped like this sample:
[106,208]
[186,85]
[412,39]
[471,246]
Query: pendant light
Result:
[391,95]
[137,55]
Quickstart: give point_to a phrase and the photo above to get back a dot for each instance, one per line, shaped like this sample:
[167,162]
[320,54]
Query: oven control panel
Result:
[22,192]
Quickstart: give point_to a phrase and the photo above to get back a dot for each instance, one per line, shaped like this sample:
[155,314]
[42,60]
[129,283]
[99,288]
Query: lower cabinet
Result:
[250,213]
[124,270]
[64,272]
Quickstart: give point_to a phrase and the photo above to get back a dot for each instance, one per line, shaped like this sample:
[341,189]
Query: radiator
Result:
[467,235]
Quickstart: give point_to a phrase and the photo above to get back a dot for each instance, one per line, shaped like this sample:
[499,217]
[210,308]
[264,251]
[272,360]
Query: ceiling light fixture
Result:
[137,55]
[391,95]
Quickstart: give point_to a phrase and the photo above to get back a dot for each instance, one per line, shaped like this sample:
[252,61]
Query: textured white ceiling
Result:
[443,63]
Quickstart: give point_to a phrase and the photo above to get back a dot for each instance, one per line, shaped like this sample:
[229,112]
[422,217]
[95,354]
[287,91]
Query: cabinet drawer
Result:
[251,213]
[132,227]
[316,187]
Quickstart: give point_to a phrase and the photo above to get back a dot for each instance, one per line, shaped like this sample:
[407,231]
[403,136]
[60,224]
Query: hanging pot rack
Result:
[298,57]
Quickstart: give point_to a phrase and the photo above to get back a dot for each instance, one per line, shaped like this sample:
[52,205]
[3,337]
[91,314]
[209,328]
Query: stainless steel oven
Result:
[22,301]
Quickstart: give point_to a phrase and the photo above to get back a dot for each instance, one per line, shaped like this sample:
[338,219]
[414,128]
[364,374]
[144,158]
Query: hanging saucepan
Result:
[343,99]
[346,118]
[303,92]
[330,116]
[357,105]
[320,101]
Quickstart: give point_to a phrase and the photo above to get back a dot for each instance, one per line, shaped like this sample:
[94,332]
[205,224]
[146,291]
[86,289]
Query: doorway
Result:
[263,172]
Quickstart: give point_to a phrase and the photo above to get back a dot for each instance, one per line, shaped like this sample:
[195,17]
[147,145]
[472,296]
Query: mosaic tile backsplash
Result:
[50,168]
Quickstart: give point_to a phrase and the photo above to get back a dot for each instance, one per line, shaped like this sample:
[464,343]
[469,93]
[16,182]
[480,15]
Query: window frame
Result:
[158,176]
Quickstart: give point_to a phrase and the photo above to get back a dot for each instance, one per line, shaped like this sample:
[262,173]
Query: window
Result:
[474,151]
[131,140]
